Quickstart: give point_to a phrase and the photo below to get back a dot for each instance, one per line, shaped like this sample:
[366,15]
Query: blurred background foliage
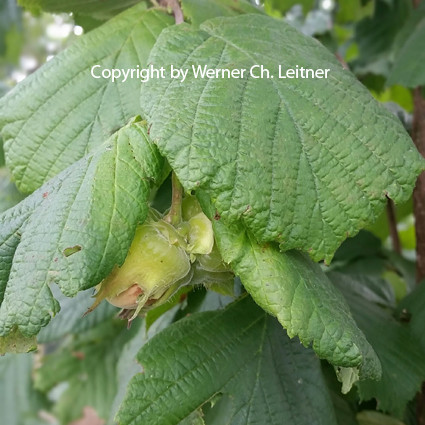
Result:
[79,374]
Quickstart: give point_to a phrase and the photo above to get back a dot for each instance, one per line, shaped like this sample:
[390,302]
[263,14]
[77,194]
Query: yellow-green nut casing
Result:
[155,262]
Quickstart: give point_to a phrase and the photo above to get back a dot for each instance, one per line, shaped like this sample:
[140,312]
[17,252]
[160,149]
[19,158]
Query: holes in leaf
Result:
[72,250]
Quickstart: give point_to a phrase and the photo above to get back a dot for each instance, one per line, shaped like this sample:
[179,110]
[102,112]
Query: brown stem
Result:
[175,215]
[174,5]
[392,224]
[418,136]
[420,407]
[341,61]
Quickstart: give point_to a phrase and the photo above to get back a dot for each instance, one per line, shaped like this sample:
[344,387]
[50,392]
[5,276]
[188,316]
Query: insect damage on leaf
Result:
[72,250]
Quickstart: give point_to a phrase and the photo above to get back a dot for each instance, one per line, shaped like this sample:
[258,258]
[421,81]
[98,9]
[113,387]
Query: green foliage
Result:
[343,406]
[9,194]
[10,22]
[96,8]
[376,418]
[408,64]
[279,166]
[244,359]
[2,159]
[72,318]
[287,147]
[94,206]
[401,356]
[295,290]
[278,8]
[15,342]
[19,402]
[384,277]
[61,112]
[411,309]
[375,36]
[353,10]
[88,365]
[198,11]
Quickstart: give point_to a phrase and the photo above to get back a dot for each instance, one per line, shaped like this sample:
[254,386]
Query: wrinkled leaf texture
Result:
[304,162]
[74,229]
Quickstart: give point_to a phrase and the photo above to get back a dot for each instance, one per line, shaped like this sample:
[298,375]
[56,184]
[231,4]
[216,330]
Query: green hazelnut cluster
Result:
[162,259]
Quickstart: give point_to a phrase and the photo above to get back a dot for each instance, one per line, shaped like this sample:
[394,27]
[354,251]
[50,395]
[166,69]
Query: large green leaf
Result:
[88,365]
[294,289]
[305,162]
[408,69]
[401,355]
[239,352]
[19,402]
[93,7]
[73,230]
[127,365]
[59,113]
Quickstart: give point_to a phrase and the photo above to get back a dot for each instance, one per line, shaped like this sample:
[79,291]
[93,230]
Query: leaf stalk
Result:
[174,216]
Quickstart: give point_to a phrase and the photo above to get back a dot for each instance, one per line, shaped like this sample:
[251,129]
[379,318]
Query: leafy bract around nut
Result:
[212,262]
[153,265]
[160,259]
[303,162]
[201,237]
[190,207]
